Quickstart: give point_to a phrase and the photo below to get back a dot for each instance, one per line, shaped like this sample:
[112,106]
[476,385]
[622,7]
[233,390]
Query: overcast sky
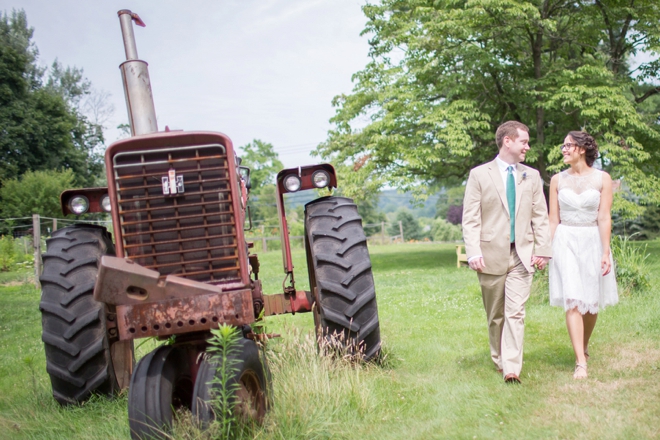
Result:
[252,69]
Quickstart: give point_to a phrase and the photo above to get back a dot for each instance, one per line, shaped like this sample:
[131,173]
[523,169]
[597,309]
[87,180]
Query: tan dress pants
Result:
[504,298]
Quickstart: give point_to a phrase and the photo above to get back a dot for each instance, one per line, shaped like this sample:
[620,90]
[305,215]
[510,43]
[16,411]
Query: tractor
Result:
[180,266]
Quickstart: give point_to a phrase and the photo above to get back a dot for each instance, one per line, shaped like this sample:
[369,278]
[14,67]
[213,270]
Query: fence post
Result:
[36,236]
[401,230]
[264,246]
[54,224]
[382,232]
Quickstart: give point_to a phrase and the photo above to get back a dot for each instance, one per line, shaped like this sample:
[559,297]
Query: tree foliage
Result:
[264,164]
[42,124]
[445,73]
[409,224]
[448,198]
[35,192]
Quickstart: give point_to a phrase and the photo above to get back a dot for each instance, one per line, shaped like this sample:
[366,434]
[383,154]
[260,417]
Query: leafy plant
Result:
[631,265]
[224,346]
[7,253]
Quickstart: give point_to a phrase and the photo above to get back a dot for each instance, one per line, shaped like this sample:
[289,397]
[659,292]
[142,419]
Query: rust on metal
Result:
[184,315]
[122,282]
[194,233]
[281,303]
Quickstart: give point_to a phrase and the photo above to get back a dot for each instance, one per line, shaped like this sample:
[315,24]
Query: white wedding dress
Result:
[575,274]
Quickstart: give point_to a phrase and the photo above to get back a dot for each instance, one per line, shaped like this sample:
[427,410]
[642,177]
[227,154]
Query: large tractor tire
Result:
[251,379]
[79,358]
[161,384]
[340,276]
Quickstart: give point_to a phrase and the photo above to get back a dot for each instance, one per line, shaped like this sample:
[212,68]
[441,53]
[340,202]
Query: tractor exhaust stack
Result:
[135,76]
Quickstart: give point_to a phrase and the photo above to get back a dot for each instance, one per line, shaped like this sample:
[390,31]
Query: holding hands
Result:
[539,262]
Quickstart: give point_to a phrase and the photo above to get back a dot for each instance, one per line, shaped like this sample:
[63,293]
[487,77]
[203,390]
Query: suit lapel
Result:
[496,177]
[519,187]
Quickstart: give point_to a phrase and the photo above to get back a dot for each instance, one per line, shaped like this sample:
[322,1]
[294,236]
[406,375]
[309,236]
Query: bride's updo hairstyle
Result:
[585,141]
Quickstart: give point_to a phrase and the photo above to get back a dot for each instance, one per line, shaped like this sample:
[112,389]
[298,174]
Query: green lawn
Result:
[437,380]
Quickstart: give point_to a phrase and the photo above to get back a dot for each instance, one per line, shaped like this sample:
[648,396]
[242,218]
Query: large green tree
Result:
[445,73]
[41,123]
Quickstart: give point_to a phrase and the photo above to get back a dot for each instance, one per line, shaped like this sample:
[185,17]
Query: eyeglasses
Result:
[567,146]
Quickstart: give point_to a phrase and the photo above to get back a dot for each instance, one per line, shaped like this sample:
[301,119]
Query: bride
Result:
[581,276]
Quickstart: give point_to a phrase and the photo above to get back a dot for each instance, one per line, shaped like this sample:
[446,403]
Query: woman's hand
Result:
[605,264]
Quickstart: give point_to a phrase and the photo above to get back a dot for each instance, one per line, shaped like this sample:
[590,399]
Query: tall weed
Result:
[316,389]
[631,265]
[224,346]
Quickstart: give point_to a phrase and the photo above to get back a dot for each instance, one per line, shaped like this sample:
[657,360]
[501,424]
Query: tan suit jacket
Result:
[486,224]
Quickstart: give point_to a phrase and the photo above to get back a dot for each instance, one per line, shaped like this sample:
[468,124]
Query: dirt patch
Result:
[13,283]
[632,357]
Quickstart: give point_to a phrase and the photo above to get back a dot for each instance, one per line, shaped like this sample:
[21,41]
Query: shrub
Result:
[442,230]
[7,253]
[631,265]
[455,214]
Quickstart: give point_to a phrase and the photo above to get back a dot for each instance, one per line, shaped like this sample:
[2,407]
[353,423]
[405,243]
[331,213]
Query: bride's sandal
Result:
[580,371]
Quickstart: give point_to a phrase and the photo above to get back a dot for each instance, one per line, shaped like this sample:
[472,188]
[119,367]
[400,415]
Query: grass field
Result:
[437,380]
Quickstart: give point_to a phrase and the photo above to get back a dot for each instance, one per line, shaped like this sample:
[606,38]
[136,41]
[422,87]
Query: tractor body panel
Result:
[177,206]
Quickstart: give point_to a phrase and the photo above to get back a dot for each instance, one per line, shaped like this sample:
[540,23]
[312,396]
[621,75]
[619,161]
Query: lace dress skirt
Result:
[575,272]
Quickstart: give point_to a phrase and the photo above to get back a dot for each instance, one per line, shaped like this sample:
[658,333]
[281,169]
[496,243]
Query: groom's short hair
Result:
[510,129]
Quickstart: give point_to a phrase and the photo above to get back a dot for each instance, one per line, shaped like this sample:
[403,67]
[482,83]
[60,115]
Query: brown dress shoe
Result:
[511,378]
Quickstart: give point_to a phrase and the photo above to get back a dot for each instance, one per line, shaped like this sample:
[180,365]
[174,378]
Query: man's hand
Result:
[539,262]
[477,264]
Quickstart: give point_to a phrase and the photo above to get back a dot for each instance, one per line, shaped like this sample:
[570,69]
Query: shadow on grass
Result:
[432,258]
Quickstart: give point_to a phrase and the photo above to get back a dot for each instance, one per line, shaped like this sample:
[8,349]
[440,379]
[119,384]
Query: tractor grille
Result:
[191,234]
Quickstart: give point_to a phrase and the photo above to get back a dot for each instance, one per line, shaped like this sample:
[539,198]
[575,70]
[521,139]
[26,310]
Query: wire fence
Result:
[264,238]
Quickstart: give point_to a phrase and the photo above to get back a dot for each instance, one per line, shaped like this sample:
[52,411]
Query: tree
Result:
[41,121]
[448,198]
[264,164]
[444,74]
[410,226]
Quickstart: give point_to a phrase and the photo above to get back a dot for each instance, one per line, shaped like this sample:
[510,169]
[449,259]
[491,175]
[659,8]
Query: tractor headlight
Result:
[105,203]
[292,183]
[320,179]
[79,204]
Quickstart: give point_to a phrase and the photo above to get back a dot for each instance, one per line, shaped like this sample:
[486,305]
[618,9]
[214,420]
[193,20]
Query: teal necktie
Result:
[511,200]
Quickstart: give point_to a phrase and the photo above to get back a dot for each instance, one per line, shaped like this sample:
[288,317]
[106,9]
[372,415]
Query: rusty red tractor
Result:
[180,266]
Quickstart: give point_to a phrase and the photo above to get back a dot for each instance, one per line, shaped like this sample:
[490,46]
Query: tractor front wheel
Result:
[160,384]
[248,380]
[340,277]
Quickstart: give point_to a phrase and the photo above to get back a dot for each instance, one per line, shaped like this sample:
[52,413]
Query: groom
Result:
[506,233]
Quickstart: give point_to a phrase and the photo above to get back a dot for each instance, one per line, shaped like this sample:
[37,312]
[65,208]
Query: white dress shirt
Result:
[503,169]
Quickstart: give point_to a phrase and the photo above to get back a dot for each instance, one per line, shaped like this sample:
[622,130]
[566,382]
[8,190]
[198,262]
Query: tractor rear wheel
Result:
[250,378]
[340,276]
[79,357]
[160,384]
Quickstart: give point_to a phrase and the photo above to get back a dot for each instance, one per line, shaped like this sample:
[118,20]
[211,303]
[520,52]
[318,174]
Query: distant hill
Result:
[390,200]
